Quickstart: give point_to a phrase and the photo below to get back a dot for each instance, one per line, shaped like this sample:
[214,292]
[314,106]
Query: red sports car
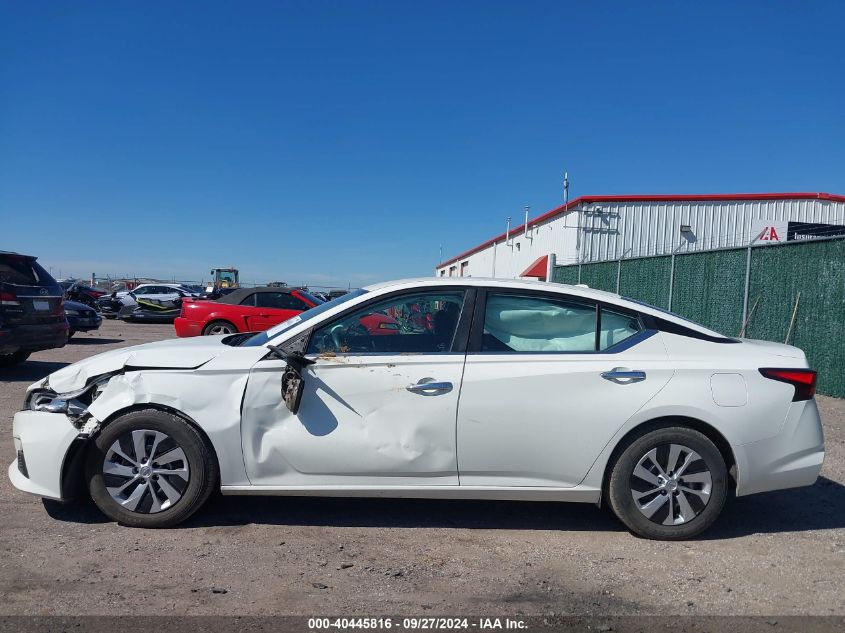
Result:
[243,310]
[256,309]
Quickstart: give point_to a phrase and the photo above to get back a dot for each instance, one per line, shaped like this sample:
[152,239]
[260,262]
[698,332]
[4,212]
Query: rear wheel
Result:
[669,484]
[150,469]
[15,358]
[219,327]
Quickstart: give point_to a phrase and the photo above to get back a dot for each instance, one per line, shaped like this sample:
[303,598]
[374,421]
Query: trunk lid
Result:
[777,349]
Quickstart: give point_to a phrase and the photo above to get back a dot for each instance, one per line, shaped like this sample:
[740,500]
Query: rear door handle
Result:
[624,376]
[428,387]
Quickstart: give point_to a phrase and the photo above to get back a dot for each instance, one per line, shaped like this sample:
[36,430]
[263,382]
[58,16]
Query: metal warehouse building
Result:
[602,228]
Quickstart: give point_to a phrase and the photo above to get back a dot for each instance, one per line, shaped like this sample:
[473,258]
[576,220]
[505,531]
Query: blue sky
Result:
[339,143]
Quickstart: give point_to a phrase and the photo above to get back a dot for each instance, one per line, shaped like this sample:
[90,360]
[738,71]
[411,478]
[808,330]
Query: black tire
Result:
[15,358]
[201,463]
[623,484]
[70,334]
[224,326]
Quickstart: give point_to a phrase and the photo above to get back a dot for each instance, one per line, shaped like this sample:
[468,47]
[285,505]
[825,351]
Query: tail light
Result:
[804,380]
[186,301]
[9,299]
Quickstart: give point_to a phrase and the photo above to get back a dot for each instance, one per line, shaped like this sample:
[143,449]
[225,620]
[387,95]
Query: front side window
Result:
[422,322]
[514,323]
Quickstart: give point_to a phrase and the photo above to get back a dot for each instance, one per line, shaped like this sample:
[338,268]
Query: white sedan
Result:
[479,389]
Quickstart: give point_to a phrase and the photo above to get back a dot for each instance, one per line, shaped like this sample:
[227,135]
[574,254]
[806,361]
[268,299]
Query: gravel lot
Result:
[774,554]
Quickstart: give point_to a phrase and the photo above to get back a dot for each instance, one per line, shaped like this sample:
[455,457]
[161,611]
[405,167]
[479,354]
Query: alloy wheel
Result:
[146,471]
[219,329]
[671,484]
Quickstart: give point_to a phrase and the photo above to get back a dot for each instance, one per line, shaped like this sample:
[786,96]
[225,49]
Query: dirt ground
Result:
[773,554]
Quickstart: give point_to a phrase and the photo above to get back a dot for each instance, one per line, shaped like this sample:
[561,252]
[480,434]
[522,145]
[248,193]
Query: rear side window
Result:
[616,327]
[515,323]
[248,300]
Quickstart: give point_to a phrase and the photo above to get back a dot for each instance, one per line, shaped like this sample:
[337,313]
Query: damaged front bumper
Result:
[42,443]
[47,433]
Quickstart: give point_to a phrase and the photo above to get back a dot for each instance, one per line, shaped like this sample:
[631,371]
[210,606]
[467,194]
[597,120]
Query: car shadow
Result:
[76,340]
[30,371]
[402,513]
[80,510]
[817,507]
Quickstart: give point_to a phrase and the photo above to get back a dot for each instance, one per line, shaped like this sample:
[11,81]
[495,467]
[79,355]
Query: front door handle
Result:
[623,375]
[429,387]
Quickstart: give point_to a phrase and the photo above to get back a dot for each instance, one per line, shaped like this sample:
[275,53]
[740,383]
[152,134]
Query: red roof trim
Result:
[515,231]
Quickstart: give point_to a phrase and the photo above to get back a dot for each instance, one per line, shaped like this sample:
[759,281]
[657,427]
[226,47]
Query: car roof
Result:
[488,282]
[14,254]
[526,284]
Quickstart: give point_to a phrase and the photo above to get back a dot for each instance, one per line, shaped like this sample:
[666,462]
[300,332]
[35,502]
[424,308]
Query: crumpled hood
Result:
[172,353]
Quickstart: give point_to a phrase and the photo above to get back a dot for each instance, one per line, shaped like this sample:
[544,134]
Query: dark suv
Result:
[32,313]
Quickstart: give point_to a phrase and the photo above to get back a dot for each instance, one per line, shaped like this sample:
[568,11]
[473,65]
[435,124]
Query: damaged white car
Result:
[461,388]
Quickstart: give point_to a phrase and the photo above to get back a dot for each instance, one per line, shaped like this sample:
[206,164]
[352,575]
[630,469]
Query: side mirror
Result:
[293,384]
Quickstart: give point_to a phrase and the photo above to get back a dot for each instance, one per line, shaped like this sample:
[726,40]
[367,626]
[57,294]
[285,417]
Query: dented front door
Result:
[370,419]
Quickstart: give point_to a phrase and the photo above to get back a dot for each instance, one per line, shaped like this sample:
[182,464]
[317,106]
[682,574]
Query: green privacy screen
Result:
[817,271]
[646,280]
[601,276]
[565,275]
[709,289]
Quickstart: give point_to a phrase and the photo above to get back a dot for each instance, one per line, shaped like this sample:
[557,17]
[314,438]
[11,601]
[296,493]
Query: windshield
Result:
[262,337]
[309,297]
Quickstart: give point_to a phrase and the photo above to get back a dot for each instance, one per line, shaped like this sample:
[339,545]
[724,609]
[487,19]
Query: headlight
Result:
[74,403]
[72,312]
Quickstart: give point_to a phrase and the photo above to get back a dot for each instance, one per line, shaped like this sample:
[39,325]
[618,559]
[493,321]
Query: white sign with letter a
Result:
[768,231]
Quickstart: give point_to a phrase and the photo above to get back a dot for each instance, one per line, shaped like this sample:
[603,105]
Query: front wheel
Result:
[668,484]
[150,469]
